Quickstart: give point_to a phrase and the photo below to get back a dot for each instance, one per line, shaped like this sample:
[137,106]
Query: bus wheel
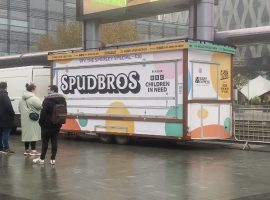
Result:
[106,139]
[122,139]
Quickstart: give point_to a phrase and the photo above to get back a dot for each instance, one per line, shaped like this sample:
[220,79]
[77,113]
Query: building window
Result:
[3,47]
[18,23]
[53,25]
[37,23]
[55,6]
[38,31]
[169,30]
[156,30]
[18,29]
[18,36]
[37,4]
[34,37]
[18,15]
[18,48]
[3,27]
[71,1]
[3,21]
[18,5]
[71,5]
[3,13]
[37,13]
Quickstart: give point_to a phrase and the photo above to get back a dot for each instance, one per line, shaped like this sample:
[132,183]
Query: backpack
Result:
[59,114]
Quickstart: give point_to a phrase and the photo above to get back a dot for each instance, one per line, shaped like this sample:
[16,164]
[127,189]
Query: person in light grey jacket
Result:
[31,131]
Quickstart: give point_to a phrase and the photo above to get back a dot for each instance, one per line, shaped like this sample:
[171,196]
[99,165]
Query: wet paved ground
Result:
[145,171]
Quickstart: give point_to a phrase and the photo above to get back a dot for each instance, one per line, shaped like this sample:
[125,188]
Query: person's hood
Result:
[26,95]
[55,95]
[2,91]
[56,98]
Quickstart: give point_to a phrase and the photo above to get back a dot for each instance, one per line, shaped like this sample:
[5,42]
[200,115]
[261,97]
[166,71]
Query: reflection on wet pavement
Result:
[145,171]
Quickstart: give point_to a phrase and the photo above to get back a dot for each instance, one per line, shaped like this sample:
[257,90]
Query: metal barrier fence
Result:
[252,125]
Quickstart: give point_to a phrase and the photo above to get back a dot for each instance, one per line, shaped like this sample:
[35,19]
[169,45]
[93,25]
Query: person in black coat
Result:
[7,115]
[49,131]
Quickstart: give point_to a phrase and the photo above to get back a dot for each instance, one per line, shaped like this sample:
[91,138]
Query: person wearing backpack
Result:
[52,116]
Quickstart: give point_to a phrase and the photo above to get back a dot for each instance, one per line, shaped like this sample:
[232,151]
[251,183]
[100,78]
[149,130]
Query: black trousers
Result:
[33,145]
[46,136]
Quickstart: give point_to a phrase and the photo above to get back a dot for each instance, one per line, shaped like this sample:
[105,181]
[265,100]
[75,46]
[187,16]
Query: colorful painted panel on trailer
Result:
[209,75]
[209,121]
[134,85]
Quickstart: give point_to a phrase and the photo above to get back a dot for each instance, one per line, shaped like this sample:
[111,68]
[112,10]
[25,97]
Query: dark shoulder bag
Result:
[32,115]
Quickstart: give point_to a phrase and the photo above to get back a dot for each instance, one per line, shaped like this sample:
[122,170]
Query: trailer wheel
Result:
[106,139]
[122,139]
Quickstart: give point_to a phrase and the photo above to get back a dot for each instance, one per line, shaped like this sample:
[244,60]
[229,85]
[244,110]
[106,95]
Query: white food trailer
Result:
[173,90]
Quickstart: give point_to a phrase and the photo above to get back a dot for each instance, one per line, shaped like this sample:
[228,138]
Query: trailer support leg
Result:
[246,145]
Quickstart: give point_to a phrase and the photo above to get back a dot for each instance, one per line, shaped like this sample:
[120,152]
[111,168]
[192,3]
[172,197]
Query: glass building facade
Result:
[22,22]
[239,14]
[231,14]
[156,28]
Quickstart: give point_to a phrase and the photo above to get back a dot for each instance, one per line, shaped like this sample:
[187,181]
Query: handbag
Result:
[32,115]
